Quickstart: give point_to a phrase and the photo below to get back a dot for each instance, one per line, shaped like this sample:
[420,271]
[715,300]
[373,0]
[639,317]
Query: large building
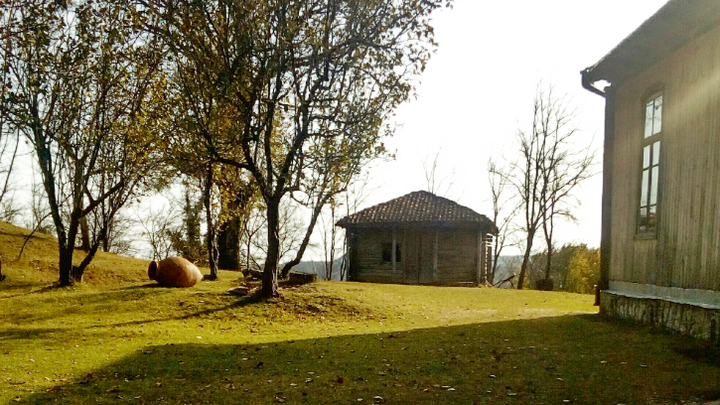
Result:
[660,245]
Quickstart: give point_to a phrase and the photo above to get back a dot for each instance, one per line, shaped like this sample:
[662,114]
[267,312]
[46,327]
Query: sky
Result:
[478,90]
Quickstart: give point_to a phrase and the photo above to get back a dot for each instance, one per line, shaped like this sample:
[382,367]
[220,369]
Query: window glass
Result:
[654,185]
[642,220]
[652,219]
[648,118]
[646,157]
[644,188]
[657,116]
[656,153]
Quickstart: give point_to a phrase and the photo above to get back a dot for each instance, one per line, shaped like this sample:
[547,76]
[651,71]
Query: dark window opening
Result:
[387,253]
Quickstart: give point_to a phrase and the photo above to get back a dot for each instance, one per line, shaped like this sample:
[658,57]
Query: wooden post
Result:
[480,277]
[488,254]
[393,256]
[347,257]
[435,255]
[2,277]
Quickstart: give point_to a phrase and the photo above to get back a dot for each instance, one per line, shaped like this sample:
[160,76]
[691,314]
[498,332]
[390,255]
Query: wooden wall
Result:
[686,250]
[457,257]
[456,261]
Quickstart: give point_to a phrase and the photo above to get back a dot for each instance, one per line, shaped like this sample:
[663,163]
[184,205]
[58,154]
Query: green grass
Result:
[120,339]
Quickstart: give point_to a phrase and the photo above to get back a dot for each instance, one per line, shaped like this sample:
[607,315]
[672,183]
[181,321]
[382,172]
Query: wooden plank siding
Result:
[457,257]
[686,250]
[427,255]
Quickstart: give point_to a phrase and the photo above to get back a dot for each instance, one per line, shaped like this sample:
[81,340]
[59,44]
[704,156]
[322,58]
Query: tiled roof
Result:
[418,207]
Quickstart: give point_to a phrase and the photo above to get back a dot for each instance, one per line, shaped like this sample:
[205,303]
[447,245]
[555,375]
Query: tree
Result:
[158,227]
[584,272]
[575,268]
[559,269]
[547,172]
[309,86]
[251,227]
[186,239]
[563,168]
[435,185]
[237,197]
[9,143]
[504,211]
[82,80]
[330,239]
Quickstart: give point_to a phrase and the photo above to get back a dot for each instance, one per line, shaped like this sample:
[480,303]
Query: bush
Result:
[584,270]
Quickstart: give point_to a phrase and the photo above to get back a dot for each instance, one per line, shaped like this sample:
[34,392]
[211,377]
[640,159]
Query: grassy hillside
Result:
[120,339]
[39,261]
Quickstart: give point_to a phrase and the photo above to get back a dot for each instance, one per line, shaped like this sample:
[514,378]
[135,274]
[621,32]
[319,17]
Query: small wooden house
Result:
[419,238]
[660,244]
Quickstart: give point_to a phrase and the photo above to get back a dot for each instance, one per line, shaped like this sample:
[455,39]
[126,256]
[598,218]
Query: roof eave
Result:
[674,25]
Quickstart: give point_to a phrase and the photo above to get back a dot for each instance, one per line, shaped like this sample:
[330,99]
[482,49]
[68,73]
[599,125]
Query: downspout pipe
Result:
[587,84]
[604,282]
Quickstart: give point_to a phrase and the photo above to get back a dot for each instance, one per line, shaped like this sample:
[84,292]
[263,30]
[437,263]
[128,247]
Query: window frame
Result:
[651,152]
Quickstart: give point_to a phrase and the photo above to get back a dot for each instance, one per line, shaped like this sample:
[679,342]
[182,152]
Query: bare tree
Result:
[549,168]
[563,168]
[355,197]
[331,238]
[158,226]
[505,209]
[118,237]
[253,224]
[437,185]
[39,209]
[291,232]
[9,144]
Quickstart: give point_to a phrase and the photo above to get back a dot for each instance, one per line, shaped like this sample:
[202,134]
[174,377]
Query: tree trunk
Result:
[228,241]
[548,262]
[65,265]
[211,243]
[526,260]
[84,234]
[269,275]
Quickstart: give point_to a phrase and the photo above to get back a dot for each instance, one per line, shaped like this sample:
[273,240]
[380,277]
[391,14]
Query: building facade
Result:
[660,245]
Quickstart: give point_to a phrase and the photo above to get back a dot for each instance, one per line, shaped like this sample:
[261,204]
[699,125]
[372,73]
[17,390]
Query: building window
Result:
[387,253]
[648,213]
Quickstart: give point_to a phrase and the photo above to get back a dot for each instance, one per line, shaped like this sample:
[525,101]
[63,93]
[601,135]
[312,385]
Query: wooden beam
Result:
[393,257]
[480,276]
[435,255]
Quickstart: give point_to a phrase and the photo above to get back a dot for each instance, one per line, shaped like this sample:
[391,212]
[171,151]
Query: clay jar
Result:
[174,272]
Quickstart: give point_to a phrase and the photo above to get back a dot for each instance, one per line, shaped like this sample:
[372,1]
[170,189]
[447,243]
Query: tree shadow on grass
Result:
[576,359]
[86,305]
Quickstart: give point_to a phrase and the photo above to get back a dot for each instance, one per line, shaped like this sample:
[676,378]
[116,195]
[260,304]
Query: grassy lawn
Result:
[119,339]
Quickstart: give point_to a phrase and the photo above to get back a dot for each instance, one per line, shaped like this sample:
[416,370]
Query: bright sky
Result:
[478,91]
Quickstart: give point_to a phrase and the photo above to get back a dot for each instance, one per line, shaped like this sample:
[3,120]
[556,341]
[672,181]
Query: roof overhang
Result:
[674,25]
[483,227]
